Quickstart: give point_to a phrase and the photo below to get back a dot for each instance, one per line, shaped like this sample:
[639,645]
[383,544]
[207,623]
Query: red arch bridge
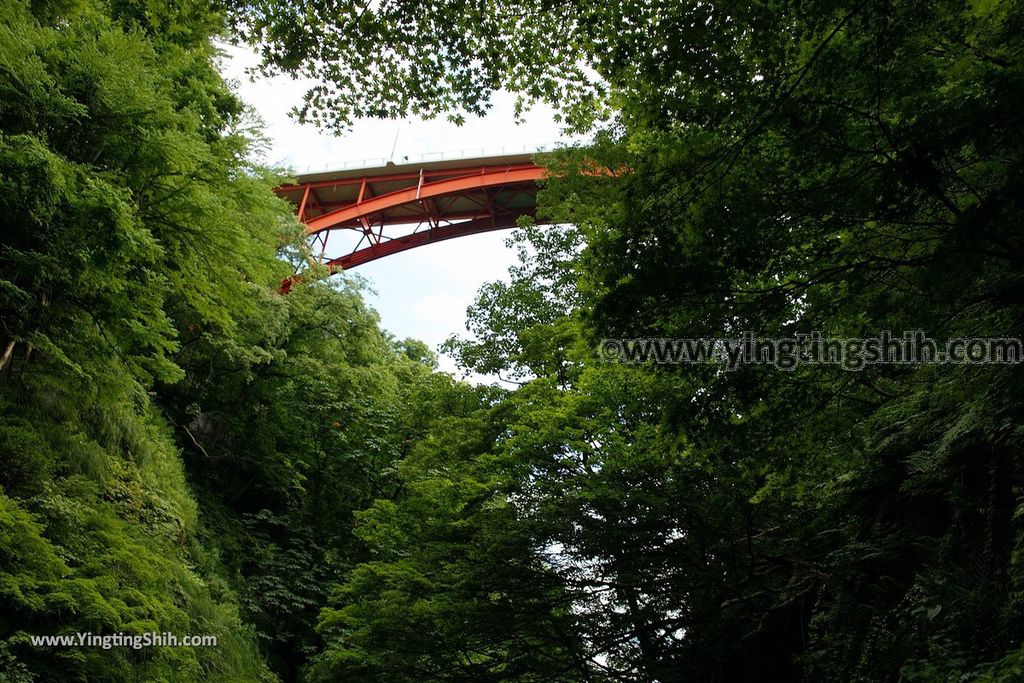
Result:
[382,210]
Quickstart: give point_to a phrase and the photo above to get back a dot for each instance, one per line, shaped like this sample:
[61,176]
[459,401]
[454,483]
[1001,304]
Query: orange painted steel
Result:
[436,201]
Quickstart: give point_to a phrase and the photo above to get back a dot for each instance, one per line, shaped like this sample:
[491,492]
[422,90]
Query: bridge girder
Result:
[396,208]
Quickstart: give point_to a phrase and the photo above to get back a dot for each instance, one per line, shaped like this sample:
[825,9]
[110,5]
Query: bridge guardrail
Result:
[426,157]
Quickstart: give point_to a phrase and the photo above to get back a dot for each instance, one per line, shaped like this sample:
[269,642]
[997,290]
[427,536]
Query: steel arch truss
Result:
[393,209]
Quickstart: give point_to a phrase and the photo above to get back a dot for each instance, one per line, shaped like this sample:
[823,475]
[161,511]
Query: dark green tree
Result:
[773,168]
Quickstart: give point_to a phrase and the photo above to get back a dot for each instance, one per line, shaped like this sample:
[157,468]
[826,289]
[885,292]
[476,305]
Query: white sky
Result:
[421,293]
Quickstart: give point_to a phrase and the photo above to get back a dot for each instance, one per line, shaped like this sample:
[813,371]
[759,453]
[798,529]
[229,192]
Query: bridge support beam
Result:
[394,208]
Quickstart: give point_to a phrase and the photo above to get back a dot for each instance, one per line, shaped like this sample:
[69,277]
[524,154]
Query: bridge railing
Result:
[427,157]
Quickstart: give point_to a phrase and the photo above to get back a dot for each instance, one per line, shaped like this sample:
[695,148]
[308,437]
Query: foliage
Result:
[139,268]
[455,586]
[843,167]
[441,58]
[130,215]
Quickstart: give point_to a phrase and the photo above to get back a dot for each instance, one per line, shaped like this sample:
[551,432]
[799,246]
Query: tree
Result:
[128,213]
[454,587]
[848,168]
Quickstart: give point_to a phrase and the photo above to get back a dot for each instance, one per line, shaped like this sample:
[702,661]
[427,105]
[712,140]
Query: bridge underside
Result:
[386,210]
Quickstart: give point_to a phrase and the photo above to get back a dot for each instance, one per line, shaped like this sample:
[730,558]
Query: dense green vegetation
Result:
[181,448]
[184,449]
